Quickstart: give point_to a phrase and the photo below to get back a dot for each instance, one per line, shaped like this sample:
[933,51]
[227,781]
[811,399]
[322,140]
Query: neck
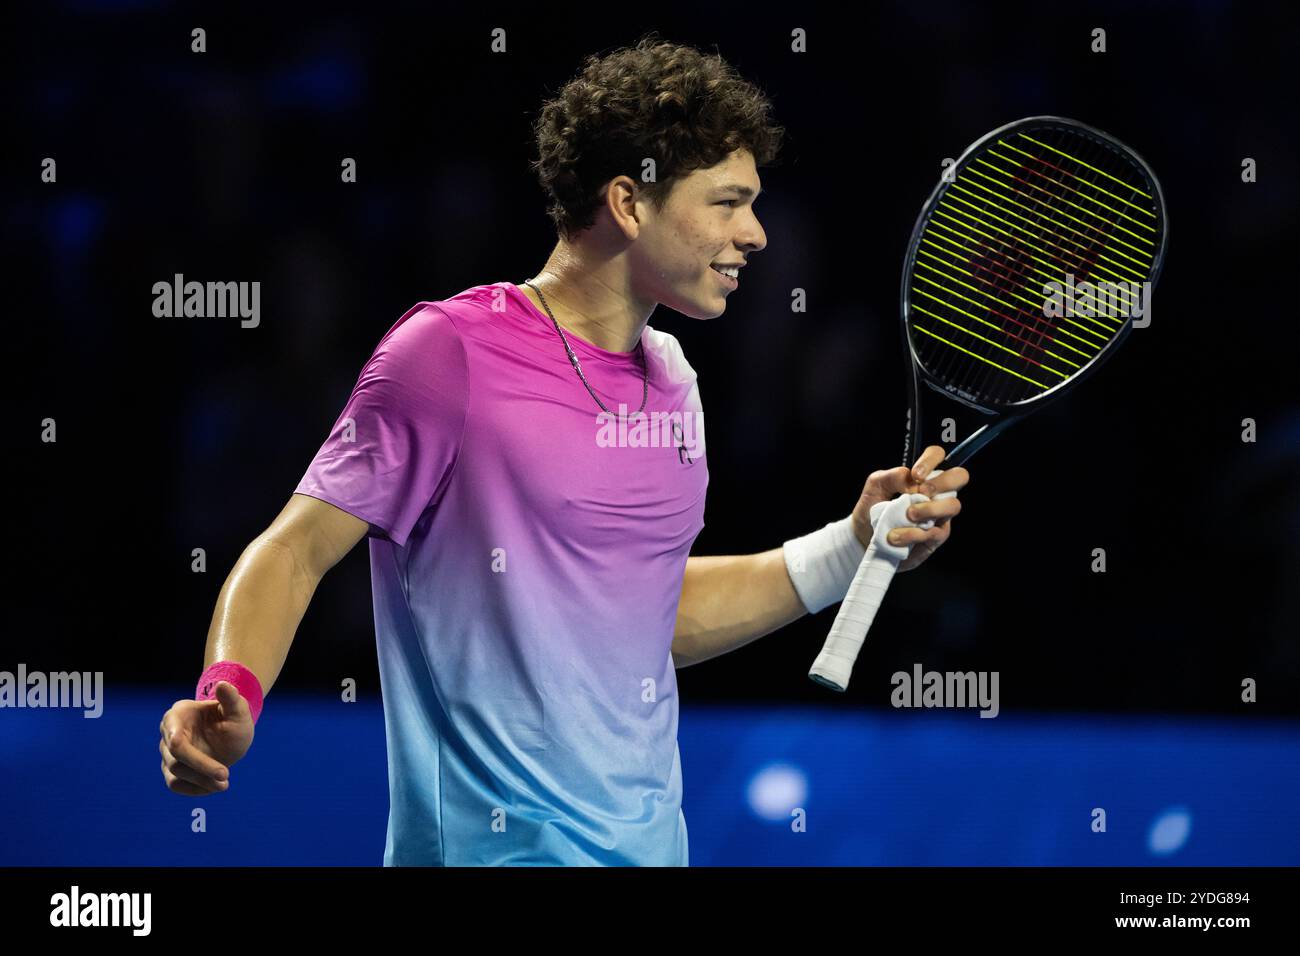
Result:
[590,295]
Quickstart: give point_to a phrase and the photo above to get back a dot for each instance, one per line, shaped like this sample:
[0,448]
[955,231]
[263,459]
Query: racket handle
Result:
[834,665]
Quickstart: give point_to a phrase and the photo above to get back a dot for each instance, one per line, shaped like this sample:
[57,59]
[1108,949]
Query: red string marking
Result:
[982,265]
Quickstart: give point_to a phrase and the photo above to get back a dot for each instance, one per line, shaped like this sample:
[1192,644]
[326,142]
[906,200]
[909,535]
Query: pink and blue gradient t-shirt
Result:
[527,554]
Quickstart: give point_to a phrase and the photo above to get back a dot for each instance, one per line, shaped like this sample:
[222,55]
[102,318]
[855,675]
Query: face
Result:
[708,220]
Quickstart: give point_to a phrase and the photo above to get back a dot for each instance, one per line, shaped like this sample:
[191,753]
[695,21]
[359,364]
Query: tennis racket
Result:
[1040,201]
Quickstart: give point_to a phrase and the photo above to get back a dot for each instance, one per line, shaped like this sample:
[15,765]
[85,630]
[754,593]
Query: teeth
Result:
[731,271]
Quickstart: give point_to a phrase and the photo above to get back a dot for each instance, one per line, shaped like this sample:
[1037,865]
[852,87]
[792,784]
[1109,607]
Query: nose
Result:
[752,238]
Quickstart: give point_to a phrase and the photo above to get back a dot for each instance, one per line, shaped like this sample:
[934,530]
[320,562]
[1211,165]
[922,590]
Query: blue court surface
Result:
[779,786]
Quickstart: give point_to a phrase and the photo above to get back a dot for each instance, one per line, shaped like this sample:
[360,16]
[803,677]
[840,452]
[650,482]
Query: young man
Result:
[528,463]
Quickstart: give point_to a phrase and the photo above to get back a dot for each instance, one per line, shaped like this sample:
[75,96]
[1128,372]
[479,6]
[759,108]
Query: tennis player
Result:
[529,524]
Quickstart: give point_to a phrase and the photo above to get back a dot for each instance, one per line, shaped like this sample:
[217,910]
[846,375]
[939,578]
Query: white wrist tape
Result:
[822,564]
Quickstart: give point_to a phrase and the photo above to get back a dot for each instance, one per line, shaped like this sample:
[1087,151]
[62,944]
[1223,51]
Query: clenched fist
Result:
[202,739]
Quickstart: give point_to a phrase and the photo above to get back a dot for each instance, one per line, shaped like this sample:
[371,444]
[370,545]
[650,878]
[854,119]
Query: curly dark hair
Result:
[685,109]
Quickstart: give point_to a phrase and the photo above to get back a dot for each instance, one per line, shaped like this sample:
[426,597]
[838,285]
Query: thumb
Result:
[230,704]
[883,485]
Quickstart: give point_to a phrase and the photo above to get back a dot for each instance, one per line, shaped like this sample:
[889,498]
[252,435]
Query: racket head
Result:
[1029,203]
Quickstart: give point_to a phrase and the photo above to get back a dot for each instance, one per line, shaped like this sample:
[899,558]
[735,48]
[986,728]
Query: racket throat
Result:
[975,441]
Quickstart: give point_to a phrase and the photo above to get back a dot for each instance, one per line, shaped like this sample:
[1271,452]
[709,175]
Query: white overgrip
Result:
[834,665]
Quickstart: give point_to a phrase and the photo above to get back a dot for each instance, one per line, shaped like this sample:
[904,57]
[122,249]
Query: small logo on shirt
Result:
[681,445]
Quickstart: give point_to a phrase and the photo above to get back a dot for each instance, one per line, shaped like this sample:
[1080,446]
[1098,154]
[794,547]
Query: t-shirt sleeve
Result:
[395,445]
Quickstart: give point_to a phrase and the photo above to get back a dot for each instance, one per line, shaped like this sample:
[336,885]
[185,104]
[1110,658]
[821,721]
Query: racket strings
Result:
[1078,250]
[1011,203]
[1072,250]
[1031,207]
[1088,179]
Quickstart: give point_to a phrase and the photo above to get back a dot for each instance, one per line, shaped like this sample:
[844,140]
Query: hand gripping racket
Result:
[1040,201]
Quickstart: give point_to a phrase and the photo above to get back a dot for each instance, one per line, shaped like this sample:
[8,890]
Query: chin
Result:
[705,314]
[697,310]
[710,311]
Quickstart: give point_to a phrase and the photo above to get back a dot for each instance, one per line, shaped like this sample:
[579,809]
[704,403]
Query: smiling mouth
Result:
[732,282]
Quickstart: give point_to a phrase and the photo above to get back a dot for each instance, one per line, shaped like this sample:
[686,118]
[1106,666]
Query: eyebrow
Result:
[736,187]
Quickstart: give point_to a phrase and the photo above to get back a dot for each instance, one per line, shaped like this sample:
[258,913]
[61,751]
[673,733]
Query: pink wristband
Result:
[232,672]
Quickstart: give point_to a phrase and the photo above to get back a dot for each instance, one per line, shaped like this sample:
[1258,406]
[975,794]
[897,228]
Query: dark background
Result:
[182,433]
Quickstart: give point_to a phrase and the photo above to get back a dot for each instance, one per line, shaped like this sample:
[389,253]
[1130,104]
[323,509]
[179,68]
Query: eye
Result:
[728,202]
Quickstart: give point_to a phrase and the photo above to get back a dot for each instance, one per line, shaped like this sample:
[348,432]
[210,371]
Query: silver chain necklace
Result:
[645,378]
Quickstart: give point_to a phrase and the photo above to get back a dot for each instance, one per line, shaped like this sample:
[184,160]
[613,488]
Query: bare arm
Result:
[258,611]
[270,586]
[731,600]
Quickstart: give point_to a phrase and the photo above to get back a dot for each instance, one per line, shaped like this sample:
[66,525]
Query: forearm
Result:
[728,601]
[259,609]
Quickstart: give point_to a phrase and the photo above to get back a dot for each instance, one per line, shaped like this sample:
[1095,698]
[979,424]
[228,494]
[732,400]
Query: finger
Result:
[920,536]
[179,769]
[232,703]
[162,724]
[889,482]
[190,775]
[178,741]
[907,536]
[921,550]
[176,774]
[184,787]
[938,535]
[928,462]
[921,553]
[952,479]
[942,508]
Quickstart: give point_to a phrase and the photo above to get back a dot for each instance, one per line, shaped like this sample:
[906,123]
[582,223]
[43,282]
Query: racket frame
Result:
[866,591]
[1005,415]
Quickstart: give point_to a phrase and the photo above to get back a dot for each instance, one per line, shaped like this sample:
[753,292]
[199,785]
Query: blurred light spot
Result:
[1169,831]
[75,224]
[328,83]
[776,790]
